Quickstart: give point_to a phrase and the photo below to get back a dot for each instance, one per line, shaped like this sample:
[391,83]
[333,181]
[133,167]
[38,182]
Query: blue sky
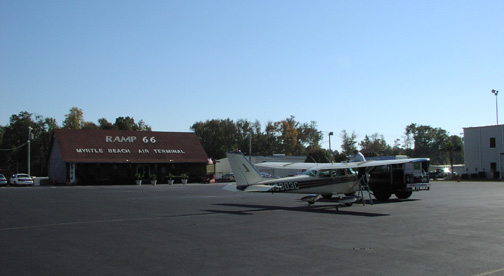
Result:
[365,66]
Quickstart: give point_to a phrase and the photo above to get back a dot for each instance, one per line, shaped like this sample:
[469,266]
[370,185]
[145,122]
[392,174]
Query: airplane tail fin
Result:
[244,173]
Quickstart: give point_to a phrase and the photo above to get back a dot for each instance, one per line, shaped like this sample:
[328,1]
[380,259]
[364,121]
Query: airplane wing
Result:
[289,165]
[377,163]
[350,165]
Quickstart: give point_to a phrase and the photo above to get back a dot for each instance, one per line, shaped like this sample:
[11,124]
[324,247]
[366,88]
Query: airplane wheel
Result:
[403,195]
[382,195]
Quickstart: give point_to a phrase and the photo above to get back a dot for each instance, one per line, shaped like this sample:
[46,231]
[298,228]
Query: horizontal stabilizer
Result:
[258,188]
[230,187]
[248,188]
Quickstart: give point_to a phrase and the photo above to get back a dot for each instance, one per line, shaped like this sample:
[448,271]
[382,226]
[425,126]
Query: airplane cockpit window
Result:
[325,173]
[339,172]
[310,173]
[350,171]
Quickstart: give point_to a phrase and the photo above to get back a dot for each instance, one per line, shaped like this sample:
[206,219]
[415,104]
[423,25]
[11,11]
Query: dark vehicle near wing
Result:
[400,179]
[440,173]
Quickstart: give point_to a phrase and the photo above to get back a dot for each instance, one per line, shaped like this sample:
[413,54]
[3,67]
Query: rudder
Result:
[244,173]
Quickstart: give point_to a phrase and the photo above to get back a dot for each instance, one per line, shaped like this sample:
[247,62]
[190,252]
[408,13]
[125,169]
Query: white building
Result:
[484,151]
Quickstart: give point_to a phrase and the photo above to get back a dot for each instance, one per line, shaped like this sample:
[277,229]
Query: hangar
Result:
[484,151]
[90,157]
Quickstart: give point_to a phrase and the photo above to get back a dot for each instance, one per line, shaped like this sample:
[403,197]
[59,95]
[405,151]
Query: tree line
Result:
[219,136]
[290,137]
[287,136]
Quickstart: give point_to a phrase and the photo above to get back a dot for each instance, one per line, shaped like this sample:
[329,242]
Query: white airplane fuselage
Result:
[327,179]
[305,184]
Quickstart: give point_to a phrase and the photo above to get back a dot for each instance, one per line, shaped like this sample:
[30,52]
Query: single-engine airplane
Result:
[329,179]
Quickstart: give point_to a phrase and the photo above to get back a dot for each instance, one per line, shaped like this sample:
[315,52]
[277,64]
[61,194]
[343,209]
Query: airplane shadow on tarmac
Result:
[321,209]
[316,208]
[375,202]
[391,201]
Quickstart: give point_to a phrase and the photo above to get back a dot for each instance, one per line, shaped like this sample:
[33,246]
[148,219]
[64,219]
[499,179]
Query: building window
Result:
[492,142]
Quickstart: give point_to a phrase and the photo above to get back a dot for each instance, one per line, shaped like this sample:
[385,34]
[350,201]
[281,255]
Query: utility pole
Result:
[250,146]
[495,92]
[330,151]
[29,141]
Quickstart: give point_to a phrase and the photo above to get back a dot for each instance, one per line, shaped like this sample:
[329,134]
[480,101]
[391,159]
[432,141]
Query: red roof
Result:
[120,146]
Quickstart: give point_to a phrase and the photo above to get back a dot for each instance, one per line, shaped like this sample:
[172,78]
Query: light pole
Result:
[495,92]
[250,146]
[330,151]
[29,140]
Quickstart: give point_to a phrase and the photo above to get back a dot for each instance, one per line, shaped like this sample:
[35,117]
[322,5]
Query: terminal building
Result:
[90,157]
[484,151]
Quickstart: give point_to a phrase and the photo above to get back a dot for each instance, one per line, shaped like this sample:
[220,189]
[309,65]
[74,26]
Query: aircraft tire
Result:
[403,195]
[382,195]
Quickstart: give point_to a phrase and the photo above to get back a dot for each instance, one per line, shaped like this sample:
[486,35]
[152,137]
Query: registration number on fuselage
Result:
[285,186]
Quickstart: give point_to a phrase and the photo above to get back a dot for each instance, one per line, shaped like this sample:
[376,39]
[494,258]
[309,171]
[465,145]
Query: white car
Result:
[21,179]
[3,180]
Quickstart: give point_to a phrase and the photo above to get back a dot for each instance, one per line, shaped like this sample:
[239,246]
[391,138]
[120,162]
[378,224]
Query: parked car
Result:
[3,180]
[21,179]
[440,173]
[265,175]
[228,177]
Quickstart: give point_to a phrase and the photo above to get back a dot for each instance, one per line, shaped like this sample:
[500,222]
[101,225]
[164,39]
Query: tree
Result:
[127,123]
[294,138]
[216,136]
[74,119]
[89,125]
[104,124]
[309,136]
[318,155]
[348,142]
[268,141]
[375,145]
[427,142]
[14,157]
[142,126]
[244,133]
[287,134]
[396,149]
[452,146]
[339,157]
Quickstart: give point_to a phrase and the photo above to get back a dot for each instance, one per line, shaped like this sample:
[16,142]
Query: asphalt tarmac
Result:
[200,229]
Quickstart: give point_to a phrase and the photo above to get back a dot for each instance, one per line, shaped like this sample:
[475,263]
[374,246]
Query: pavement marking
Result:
[490,272]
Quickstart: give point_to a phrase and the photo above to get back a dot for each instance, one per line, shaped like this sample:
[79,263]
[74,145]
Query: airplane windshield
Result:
[310,173]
